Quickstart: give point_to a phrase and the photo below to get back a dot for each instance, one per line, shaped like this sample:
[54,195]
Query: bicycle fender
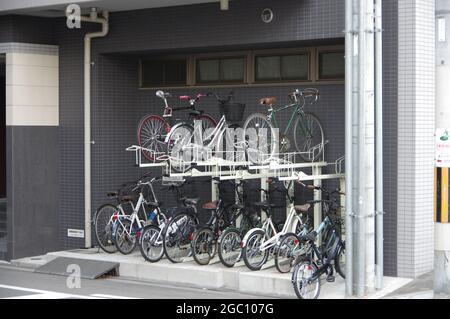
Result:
[249,233]
[173,128]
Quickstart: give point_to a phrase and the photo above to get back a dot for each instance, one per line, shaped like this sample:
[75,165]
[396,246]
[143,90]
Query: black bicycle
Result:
[323,259]
[227,217]
[179,231]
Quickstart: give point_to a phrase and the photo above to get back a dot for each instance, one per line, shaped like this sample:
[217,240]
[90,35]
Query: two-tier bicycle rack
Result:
[284,166]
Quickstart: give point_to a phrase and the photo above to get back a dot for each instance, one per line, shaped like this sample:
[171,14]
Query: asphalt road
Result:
[24,283]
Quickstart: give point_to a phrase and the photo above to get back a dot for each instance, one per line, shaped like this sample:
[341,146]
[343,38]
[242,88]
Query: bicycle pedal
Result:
[330,278]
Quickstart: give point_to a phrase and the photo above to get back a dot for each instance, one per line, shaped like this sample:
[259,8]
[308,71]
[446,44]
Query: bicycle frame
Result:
[298,111]
[289,226]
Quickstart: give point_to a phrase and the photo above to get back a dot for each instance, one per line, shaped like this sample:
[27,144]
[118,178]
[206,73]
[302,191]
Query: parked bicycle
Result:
[247,217]
[154,129]
[106,216]
[307,130]
[322,259]
[258,243]
[129,227]
[183,150]
[225,219]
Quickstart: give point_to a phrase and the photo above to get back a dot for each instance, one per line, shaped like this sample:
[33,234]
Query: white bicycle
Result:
[129,228]
[259,242]
[187,146]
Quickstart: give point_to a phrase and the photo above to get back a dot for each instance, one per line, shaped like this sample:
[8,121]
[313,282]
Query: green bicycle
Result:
[263,142]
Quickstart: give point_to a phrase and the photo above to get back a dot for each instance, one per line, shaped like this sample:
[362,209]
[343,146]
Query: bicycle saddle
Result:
[302,208]
[126,198]
[264,205]
[309,237]
[155,204]
[237,206]
[190,201]
[210,205]
[113,194]
[268,100]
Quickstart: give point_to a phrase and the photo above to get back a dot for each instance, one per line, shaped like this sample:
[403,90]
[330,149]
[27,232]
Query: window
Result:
[220,70]
[277,68]
[331,65]
[324,64]
[158,72]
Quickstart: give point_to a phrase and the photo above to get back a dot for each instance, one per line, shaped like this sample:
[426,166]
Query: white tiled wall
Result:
[32,89]
[416,117]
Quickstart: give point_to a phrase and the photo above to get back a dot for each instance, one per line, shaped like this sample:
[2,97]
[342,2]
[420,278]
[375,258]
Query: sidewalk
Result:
[267,282]
[419,288]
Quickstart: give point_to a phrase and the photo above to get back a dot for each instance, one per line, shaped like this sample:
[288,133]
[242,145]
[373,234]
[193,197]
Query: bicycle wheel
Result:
[245,224]
[339,261]
[104,227]
[229,246]
[180,149]
[304,287]
[151,133]
[208,122]
[261,139]
[203,246]
[308,137]
[151,243]
[125,238]
[177,237]
[254,258]
[284,258]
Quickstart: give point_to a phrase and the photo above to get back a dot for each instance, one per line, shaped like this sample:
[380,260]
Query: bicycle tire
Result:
[205,242]
[145,250]
[223,246]
[284,255]
[250,152]
[125,225]
[299,280]
[172,238]
[104,213]
[150,126]
[338,261]
[301,150]
[245,250]
[179,136]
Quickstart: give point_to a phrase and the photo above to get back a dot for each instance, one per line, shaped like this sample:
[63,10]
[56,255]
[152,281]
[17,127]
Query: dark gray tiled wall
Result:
[390,120]
[33,195]
[26,29]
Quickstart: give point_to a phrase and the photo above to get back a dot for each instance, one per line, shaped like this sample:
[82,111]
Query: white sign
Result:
[443,147]
[77,233]
[441,29]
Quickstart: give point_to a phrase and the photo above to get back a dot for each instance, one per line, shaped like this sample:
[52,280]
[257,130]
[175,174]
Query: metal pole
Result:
[441,281]
[348,148]
[379,142]
[361,283]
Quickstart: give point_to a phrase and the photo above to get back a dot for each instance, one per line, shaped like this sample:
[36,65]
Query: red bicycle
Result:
[153,129]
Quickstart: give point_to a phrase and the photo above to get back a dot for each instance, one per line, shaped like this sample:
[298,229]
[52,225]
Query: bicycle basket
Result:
[234,112]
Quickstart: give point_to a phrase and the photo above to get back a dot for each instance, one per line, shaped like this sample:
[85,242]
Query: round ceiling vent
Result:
[267,15]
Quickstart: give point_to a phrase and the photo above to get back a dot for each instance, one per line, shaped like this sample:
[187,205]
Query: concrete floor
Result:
[267,282]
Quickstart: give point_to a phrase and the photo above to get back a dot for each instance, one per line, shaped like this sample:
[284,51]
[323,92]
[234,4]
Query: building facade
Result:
[43,67]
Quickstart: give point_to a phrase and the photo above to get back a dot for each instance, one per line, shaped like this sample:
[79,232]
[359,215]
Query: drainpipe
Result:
[379,142]
[93,17]
[361,220]
[348,147]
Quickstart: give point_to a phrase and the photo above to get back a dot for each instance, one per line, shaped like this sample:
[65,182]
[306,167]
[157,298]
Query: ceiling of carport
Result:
[56,8]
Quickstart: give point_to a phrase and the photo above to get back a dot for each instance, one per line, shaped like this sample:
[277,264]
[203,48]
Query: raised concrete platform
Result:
[266,282]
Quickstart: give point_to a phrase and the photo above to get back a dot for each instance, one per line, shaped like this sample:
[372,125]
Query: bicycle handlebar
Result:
[305,93]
